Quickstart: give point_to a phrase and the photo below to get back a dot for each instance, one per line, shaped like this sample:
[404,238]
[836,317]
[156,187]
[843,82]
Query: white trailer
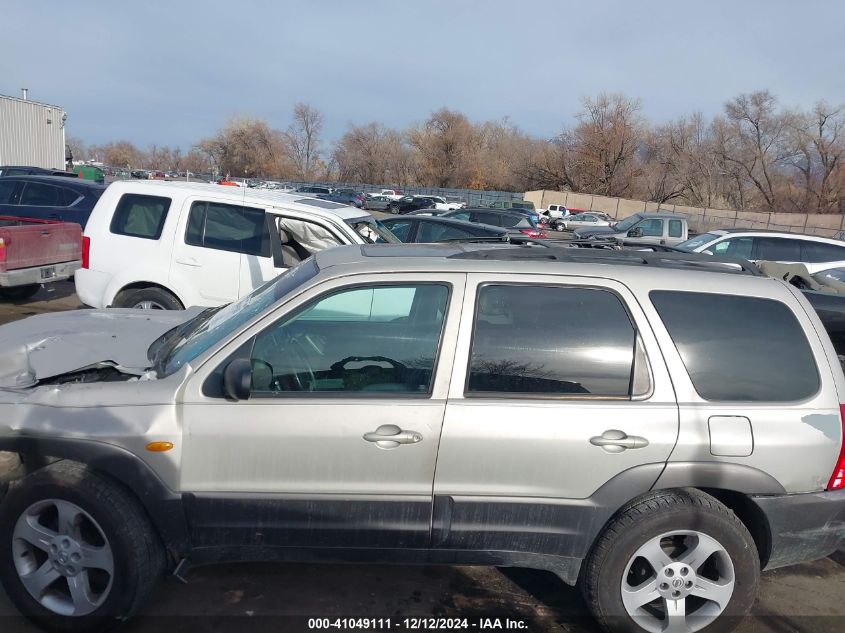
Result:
[31,133]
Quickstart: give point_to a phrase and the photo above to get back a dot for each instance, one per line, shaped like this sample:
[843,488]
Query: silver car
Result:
[395,403]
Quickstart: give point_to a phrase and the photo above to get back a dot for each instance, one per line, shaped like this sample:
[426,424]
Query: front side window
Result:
[7,190]
[364,340]
[739,349]
[228,227]
[461,215]
[651,228]
[734,247]
[141,216]
[514,353]
[400,228]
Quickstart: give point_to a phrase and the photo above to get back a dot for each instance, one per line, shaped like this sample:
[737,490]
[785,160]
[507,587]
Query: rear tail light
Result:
[534,234]
[86,251]
[837,479]
[2,250]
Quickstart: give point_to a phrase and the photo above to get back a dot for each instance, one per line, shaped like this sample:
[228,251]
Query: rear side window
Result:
[140,216]
[38,194]
[228,227]
[814,252]
[676,228]
[434,232]
[778,249]
[593,355]
[494,219]
[739,349]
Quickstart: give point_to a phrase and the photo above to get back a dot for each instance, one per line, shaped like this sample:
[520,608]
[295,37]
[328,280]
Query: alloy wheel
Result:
[678,582]
[62,557]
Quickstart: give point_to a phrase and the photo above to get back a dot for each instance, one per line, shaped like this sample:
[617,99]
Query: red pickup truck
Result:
[35,252]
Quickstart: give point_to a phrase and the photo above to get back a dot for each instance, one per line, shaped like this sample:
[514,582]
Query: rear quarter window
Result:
[141,216]
[739,349]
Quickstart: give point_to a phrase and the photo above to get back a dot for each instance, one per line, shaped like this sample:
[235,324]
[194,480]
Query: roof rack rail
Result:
[687,261]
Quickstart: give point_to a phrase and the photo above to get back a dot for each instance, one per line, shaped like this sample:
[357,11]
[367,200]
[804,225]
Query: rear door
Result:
[537,423]
[210,243]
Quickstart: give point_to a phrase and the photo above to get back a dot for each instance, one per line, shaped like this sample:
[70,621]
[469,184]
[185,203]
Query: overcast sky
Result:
[140,72]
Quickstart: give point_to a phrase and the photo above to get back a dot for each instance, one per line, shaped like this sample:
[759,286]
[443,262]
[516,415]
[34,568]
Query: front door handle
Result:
[391,436]
[615,441]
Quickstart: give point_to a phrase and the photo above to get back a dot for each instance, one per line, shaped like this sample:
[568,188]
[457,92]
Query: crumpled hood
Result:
[48,345]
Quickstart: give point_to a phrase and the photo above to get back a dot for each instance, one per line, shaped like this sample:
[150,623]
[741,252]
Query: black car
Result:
[406,204]
[344,196]
[511,219]
[49,197]
[425,229]
[314,190]
[22,170]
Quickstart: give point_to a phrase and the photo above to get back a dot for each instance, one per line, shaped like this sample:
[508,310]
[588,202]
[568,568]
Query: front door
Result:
[337,444]
[539,419]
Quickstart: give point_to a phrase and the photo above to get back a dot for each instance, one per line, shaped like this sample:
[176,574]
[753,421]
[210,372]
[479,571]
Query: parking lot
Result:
[283,597]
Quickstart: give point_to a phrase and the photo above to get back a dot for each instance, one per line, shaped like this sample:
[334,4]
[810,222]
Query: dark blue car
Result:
[49,197]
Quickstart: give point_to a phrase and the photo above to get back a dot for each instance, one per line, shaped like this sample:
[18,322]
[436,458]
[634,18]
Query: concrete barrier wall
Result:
[700,219]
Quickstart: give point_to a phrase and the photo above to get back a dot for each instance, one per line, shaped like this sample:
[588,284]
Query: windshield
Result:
[373,231]
[697,242]
[232,317]
[627,223]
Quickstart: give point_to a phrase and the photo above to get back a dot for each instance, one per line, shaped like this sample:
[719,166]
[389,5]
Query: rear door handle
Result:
[615,441]
[391,436]
[189,261]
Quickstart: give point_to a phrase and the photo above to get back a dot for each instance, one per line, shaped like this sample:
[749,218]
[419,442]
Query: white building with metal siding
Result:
[31,133]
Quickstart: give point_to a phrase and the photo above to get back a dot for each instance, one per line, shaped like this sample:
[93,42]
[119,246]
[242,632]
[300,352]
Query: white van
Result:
[168,245]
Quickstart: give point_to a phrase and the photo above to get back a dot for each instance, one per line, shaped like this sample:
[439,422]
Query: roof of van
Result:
[246,196]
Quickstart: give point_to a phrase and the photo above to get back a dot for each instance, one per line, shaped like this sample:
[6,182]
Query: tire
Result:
[19,293]
[617,561]
[108,517]
[392,208]
[151,298]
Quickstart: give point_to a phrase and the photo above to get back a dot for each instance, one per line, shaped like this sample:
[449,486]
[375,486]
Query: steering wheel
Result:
[290,343]
[340,366]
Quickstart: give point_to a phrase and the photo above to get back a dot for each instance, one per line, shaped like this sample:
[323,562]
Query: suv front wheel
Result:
[672,561]
[77,552]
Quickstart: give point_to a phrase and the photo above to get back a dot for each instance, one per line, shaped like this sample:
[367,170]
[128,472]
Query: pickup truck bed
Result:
[33,252]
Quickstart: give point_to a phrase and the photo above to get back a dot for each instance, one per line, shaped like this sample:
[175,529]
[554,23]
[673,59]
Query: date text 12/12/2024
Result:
[417,624]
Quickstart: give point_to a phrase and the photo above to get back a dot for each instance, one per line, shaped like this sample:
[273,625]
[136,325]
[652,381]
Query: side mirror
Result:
[636,232]
[237,379]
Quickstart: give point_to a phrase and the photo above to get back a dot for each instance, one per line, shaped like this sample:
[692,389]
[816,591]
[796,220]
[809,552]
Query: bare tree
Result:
[303,140]
[606,140]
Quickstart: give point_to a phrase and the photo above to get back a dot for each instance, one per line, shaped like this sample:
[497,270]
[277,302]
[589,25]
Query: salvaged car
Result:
[394,403]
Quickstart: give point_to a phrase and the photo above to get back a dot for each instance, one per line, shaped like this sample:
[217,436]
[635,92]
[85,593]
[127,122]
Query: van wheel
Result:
[148,299]
[673,561]
[77,552]
[19,293]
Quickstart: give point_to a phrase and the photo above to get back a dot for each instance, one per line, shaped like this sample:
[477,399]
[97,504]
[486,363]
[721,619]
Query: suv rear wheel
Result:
[151,298]
[672,561]
[77,552]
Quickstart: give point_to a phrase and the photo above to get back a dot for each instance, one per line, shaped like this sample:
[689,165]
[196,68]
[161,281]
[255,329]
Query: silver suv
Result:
[398,404]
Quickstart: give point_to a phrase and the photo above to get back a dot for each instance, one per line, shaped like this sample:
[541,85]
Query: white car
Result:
[441,204]
[592,219]
[555,211]
[392,194]
[171,245]
[816,253]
